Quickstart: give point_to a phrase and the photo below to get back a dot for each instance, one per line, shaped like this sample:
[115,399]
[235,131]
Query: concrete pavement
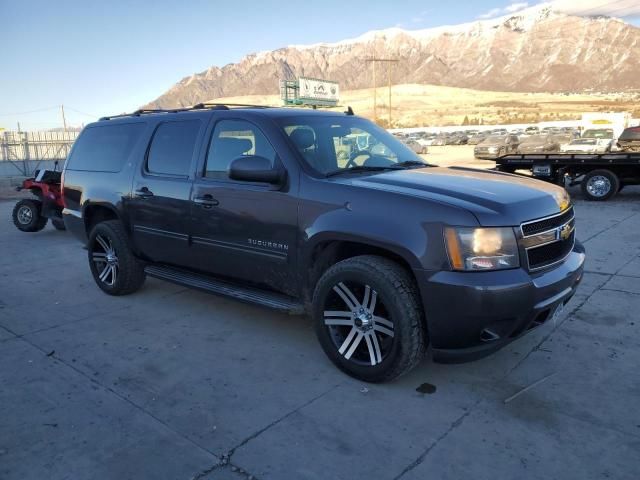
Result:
[170,383]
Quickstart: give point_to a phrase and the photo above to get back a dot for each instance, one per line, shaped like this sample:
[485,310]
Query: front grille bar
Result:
[544,232]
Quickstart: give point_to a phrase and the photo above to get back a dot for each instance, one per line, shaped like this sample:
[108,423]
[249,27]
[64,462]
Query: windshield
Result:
[331,144]
[600,133]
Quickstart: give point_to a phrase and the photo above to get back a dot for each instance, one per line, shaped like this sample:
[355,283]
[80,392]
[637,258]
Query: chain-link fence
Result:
[23,152]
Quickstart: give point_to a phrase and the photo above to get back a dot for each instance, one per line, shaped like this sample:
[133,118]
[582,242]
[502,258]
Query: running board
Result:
[256,296]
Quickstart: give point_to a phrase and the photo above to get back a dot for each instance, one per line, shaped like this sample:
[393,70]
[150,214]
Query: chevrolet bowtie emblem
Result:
[565,231]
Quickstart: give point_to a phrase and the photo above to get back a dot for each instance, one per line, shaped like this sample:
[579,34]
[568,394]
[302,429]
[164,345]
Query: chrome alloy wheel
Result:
[598,186]
[105,260]
[362,333]
[24,215]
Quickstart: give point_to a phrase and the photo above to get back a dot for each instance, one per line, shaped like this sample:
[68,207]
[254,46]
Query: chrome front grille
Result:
[548,240]
[547,223]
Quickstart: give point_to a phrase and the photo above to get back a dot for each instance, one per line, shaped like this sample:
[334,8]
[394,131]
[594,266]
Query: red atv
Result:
[32,214]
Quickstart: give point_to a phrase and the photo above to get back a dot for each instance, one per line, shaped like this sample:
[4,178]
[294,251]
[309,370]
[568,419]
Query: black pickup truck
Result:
[600,175]
[327,214]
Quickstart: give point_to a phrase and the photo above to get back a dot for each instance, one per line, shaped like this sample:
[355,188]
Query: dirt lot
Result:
[427,105]
[171,383]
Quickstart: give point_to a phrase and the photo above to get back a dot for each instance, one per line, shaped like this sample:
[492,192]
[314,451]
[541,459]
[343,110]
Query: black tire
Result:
[58,224]
[109,255]
[600,185]
[26,216]
[393,294]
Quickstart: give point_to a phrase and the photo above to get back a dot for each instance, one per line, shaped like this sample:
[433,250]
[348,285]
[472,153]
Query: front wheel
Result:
[600,185]
[113,266]
[368,318]
[26,216]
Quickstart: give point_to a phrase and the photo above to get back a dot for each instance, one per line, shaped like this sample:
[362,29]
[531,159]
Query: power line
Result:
[81,112]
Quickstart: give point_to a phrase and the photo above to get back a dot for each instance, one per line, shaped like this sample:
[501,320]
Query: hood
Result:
[496,199]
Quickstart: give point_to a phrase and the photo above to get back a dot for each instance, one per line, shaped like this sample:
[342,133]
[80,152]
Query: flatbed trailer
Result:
[600,176]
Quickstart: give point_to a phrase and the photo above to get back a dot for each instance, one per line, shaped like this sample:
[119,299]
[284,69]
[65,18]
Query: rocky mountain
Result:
[534,50]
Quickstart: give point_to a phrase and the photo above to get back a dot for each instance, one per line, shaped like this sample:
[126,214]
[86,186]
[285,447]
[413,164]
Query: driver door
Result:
[242,230]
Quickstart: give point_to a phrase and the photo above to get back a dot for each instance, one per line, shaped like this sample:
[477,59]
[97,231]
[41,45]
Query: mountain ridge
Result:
[534,50]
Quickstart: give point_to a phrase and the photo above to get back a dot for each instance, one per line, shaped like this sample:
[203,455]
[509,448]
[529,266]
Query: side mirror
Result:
[252,168]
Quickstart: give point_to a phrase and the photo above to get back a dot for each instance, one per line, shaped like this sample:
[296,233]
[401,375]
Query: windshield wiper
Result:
[359,168]
[412,163]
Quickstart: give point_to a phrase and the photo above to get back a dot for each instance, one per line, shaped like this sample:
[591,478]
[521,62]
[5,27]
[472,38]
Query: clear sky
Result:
[105,57]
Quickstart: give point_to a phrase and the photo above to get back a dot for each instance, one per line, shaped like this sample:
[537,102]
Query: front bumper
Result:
[472,314]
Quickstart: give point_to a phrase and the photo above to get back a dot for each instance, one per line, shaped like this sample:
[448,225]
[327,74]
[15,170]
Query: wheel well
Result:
[329,253]
[36,192]
[95,214]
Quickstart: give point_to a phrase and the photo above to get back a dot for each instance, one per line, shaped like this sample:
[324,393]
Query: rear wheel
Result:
[26,216]
[368,318]
[114,268]
[600,185]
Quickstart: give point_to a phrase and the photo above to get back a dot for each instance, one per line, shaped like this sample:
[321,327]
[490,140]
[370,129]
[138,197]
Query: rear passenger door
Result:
[161,195]
[242,230]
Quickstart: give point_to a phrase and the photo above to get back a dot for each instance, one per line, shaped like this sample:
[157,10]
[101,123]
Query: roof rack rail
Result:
[227,105]
[198,106]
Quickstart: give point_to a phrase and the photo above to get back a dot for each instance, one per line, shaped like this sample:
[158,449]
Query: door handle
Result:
[206,201]
[143,192]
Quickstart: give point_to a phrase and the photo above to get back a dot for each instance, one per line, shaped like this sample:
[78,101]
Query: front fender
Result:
[405,234]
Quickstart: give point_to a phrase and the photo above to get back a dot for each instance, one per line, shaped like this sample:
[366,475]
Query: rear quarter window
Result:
[105,148]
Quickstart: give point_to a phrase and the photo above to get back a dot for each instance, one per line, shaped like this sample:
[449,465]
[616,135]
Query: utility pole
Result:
[388,61]
[64,120]
[389,79]
[375,94]
[18,127]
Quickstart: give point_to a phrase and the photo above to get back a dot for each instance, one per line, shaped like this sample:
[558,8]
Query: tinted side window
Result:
[104,148]
[232,139]
[172,148]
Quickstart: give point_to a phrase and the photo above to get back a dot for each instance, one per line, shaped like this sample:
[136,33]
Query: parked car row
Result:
[592,141]
[494,143]
[475,136]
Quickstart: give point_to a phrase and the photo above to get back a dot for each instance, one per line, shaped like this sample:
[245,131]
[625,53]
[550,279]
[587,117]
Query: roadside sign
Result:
[313,89]
[310,91]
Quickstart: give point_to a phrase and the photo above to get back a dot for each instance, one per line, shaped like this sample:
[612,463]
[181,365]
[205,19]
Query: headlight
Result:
[481,248]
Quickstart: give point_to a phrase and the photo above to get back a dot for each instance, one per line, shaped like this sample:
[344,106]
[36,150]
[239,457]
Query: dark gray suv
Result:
[326,214]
